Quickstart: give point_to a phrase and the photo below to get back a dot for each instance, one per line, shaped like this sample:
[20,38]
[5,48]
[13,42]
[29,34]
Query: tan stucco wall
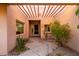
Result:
[3,29]
[14,13]
[68,16]
[45,21]
[8,16]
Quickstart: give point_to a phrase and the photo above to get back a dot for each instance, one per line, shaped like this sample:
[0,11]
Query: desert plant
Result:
[77,11]
[61,32]
[20,43]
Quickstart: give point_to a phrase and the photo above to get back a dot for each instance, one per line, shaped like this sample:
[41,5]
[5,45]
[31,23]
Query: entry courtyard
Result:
[39,29]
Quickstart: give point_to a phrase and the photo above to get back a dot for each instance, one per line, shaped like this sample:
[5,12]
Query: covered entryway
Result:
[34,27]
[35,18]
[38,16]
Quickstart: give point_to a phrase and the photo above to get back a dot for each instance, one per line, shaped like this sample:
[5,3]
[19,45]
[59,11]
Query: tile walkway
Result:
[39,47]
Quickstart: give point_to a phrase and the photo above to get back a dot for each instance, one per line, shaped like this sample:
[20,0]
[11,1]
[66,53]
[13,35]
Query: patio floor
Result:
[40,47]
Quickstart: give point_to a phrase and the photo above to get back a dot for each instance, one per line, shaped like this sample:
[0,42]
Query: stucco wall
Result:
[8,16]
[3,29]
[68,16]
[45,21]
[14,13]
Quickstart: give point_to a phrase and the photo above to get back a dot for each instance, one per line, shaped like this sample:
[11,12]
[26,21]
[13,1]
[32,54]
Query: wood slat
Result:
[25,11]
[35,11]
[53,11]
[22,10]
[28,11]
[60,10]
[31,10]
[49,11]
[56,10]
[44,11]
[38,10]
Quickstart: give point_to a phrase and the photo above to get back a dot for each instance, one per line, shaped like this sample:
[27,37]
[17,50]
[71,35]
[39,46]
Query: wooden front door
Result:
[34,28]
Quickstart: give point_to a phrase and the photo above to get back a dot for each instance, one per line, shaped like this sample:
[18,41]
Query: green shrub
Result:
[77,14]
[20,44]
[77,11]
[61,32]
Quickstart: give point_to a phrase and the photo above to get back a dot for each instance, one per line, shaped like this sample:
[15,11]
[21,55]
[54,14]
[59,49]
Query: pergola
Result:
[41,10]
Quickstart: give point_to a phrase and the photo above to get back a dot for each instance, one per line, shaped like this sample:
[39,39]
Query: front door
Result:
[35,29]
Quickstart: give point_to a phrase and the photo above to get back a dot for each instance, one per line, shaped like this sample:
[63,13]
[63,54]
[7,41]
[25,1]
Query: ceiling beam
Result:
[60,10]
[44,3]
[53,10]
[35,10]
[25,10]
[44,11]
[31,10]
[38,10]
[22,10]
[47,11]
[56,10]
[28,10]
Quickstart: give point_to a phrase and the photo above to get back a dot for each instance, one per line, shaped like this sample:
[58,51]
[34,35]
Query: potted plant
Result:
[61,32]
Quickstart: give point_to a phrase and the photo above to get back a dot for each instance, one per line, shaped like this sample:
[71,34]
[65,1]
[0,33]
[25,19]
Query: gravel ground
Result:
[44,48]
[63,51]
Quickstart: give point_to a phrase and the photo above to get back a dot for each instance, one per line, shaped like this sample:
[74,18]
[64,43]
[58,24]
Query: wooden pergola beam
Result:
[44,11]
[22,10]
[38,10]
[47,11]
[31,10]
[60,10]
[53,11]
[34,10]
[25,10]
[28,10]
[56,10]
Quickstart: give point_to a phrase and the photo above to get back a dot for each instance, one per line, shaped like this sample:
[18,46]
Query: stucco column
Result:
[42,30]
[11,29]
[26,29]
[7,30]
[3,29]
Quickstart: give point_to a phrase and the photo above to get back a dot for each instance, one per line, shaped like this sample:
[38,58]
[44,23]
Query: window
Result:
[19,27]
[47,28]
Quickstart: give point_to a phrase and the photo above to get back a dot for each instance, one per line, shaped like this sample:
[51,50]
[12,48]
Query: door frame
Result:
[31,23]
